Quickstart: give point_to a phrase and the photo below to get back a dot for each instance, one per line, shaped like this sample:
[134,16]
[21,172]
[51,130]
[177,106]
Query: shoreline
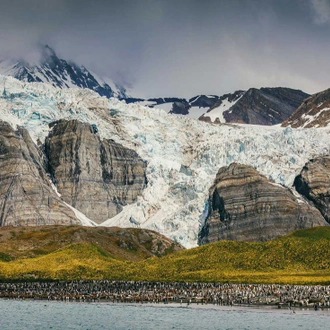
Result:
[169,293]
[234,308]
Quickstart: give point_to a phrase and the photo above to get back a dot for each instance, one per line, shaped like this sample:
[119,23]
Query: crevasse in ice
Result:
[183,154]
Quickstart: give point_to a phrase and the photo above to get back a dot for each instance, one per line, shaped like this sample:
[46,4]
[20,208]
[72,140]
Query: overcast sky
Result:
[180,47]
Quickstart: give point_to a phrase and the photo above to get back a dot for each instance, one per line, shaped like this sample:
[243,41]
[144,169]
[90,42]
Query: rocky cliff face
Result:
[26,196]
[95,176]
[313,182]
[245,205]
[313,112]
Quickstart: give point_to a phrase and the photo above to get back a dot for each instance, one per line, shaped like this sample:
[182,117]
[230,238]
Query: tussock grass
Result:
[300,257]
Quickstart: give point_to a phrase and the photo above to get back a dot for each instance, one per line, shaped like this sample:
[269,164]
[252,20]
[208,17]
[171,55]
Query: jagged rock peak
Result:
[313,182]
[26,196]
[97,177]
[313,112]
[244,205]
[49,68]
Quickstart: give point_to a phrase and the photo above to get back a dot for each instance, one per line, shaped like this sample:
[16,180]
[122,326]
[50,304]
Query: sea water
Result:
[42,315]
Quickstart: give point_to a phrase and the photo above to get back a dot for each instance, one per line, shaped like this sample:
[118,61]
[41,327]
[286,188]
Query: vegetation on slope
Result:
[118,243]
[300,257]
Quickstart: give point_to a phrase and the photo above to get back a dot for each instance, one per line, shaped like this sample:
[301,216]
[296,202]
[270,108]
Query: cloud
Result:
[179,48]
[321,9]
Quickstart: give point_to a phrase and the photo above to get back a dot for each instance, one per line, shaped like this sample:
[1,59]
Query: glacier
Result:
[183,154]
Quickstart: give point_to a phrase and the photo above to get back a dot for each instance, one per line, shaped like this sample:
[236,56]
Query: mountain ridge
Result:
[313,112]
[265,106]
[59,73]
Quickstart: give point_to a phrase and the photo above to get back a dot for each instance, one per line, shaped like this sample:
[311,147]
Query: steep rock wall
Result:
[244,205]
[313,112]
[95,176]
[26,196]
[313,182]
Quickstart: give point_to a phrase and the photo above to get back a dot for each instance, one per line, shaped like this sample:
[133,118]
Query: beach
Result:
[181,293]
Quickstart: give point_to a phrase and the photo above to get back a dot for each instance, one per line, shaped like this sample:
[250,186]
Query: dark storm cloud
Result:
[181,47]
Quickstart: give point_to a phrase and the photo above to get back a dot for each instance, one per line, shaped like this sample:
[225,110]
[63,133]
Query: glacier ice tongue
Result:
[183,154]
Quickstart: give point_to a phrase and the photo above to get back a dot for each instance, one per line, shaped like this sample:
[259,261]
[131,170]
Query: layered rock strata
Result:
[313,112]
[244,205]
[313,182]
[95,176]
[265,106]
[26,195]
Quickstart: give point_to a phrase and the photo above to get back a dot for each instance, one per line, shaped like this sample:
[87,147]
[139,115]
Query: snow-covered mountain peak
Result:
[47,67]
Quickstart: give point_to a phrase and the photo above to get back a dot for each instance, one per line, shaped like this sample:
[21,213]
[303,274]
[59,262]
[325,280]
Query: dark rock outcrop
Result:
[313,182]
[180,107]
[203,101]
[265,106]
[95,176]
[26,196]
[313,112]
[244,205]
[230,98]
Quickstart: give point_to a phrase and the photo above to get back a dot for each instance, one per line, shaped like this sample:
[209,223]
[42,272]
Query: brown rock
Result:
[313,182]
[244,205]
[96,177]
[264,106]
[26,196]
[313,112]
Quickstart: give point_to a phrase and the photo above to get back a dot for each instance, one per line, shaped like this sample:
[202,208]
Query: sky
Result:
[179,47]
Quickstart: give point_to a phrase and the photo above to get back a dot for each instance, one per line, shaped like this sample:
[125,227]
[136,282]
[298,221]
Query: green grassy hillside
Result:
[300,257]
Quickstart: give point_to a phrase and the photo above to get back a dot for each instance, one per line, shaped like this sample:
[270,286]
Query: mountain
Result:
[313,112]
[264,106]
[182,155]
[59,73]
